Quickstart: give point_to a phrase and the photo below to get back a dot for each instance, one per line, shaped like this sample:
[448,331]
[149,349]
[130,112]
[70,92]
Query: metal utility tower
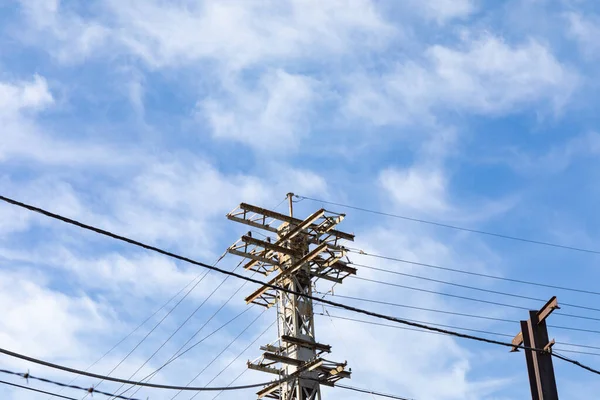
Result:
[303,252]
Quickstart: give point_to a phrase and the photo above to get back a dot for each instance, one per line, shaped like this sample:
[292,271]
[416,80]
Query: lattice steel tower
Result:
[304,251]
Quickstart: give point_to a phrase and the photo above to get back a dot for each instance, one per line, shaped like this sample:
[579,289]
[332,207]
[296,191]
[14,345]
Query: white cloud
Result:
[269,117]
[235,33]
[585,31]
[557,159]
[443,11]
[416,188]
[484,76]
[241,33]
[33,95]
[35,316]
[21,103]
[66,35]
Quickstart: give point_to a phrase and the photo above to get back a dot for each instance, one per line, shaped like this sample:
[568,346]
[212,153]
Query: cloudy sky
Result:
[155,118]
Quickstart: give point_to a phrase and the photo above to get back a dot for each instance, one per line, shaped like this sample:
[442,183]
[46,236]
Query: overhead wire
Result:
[158,324]
[129,382]
[152,374]
[444,326]
[175,355]
[496,303]
[222,352]
[238,356]
[27,376]
[388,303]
[37,390]
[267,285]
[327,314]
[147,378]
[371,392]
[178,353]
[133,331]
[479,274]
[181,325]
[472,287]
[450,226]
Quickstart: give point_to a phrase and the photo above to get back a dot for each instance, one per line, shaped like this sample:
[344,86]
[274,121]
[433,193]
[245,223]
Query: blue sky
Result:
[154,119]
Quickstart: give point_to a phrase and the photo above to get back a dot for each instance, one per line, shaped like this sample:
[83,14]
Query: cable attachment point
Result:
[548,347]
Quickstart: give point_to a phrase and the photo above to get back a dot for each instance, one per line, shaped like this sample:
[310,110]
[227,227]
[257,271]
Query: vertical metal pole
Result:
[544,369]
[535,394]
[291,203]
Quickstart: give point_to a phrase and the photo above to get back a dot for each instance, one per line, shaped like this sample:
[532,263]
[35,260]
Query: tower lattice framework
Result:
[303,252]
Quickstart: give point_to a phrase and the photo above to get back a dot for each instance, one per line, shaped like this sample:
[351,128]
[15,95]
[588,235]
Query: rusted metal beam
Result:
[269,246]
[306,343]
[309,366]
[286,273]
[253,257]
[283,359]
[517,341]
[261,368]
[291,220]
[251,223]
[547,309]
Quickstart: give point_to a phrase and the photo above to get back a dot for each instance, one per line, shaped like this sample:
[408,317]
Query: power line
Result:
[462,271]
[460,328]
[133,331]
[176,354]
[156,326]
[388,303]
[38,390]
[89,390]
[423,221]
[237,357]
[466,298]
[455,327]
[473,287]
[128,382]
[164,343]
[147,378]
[221,353]
[268,285]
[439,293]
[380,394]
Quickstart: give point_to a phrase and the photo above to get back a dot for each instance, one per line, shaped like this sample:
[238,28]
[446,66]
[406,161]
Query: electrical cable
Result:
[452,327]
[158,324]
[387,303]
[175,355]
[471,287]
[133,331]
[455,227]
[371,392]
[233,381]
[326,314]
[89,390]
[267,285]
[462,271]
[153,373]
[128,382]
[178,353]
[237,357]
[38,390]
[221,353]
[190,316]
[466,298]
